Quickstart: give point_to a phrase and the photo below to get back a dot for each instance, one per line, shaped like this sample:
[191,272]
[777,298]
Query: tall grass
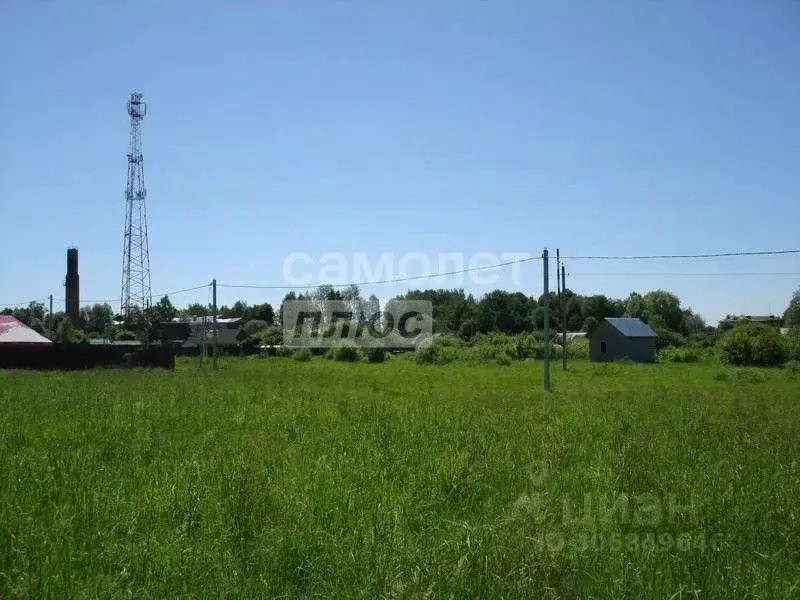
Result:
[279,478]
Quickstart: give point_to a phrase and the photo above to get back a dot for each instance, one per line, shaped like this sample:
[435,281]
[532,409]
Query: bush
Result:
[347,352]
[434,353]
[376,355]
[284,352]
[468,329]
[504,360]
[253,326]
[679,355]
[793,367]
[792,344]
[125,335]
[270,336]
[302,355]
[752,344]
[668,338]
[447,340]
[578,349]
[528,345]
[702,340]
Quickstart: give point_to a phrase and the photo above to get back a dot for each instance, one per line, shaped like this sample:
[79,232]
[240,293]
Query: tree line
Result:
[455,312]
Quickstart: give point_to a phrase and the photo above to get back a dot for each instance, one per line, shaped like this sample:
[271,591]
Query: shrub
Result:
[668,338]
[270,336]
[468,329]
[528,345]
[793,367]
[376,355]
[578,349]
[302,355]
[447,340]
[348,352]
[679,355]
[434,353]
[253,326]
[702,340]
[284,352]
[792,344]
[504,360]
[125,335]
[752,344]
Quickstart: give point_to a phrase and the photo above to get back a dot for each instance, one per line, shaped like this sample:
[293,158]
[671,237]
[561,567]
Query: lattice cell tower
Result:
[136,291]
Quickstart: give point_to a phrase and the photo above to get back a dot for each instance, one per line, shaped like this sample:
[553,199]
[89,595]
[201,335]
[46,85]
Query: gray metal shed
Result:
[619,337]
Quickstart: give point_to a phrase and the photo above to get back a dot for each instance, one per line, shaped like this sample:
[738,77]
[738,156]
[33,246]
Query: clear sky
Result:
[616,127]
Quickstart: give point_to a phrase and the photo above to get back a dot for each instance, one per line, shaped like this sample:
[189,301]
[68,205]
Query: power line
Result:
[385,281]
[25,303]
[117,300]
[678,256]
[667,274]
[513,262]
[498,266]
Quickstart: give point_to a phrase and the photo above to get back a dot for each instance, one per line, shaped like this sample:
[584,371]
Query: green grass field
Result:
[276,478]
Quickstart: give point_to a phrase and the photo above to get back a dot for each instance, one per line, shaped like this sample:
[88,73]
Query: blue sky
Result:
[615,127]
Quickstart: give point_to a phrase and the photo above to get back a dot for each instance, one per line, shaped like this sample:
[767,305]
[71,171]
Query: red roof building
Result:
[15,332]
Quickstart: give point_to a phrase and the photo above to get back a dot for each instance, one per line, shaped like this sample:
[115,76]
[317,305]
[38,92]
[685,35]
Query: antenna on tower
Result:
[136,291]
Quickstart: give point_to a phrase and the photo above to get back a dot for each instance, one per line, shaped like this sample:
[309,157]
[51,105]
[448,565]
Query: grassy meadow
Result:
[274,478]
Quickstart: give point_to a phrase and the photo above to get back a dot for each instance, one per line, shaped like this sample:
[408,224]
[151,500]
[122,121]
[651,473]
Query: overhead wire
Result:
[115,300]
[385,281]
[513,262]
[682,256]
[742,253]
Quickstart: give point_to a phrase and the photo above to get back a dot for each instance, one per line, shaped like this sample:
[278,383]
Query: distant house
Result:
[771,320]
[617,338]
[229,334]
[14,333]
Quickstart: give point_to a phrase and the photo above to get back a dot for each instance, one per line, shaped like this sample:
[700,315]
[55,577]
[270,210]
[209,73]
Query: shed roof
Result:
[630,327]
[13,331]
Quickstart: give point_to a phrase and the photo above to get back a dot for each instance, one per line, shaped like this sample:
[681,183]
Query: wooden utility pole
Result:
[563,318]
[214,321]
[545,266]
[51,320]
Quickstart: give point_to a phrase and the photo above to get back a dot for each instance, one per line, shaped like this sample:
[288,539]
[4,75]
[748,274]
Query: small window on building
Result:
[603,346]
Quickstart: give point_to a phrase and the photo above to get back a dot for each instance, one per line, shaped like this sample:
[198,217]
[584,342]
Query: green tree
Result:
[451,308]
[693,324]
[68,333]
[164,311]
[96,318]
[600,307]
[271,336]
[666,306]
[140,322]
[262,312]
[253,326]
[791,317]
[590,325]
[506,312]
[196,309]
[750,343]
[634,306]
